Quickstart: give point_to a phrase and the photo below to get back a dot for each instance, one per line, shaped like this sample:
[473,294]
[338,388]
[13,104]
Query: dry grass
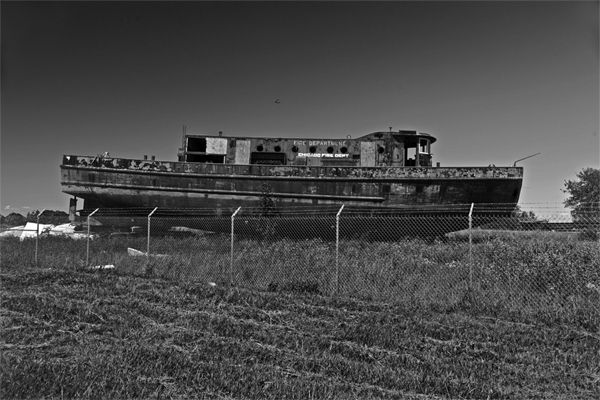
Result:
[68,333]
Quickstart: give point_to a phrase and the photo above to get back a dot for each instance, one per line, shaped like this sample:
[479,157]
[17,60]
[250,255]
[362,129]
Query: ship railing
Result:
[292,171]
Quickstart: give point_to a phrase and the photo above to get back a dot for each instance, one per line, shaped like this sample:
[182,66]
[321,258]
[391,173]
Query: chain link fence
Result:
[541,259]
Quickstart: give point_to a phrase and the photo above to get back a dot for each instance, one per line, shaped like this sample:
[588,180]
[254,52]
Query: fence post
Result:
[231,260]
[148,272]
[471,247]
[337,250]
[37,235]
[87,253]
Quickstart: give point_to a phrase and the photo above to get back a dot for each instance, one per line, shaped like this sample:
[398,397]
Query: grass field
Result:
[72,333]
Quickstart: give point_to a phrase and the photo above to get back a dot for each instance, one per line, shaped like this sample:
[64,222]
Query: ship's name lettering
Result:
[316,143]
[323,155]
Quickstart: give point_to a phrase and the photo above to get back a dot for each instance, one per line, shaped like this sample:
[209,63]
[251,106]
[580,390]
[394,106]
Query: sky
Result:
[492,81]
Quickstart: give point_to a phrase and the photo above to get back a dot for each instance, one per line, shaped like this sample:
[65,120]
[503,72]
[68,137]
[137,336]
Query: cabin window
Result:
[423,146]
[313,149]
[269,158]
[295,149]
[232,143]
[260,147]
[380,150]
[330,149]
[344,150]
[196,144]
[277,148]
[411,155]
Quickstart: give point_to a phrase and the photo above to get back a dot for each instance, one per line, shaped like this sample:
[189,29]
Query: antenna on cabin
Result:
[521,159]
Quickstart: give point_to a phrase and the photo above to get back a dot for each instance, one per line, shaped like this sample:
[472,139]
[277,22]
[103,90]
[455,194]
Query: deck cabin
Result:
[378,149]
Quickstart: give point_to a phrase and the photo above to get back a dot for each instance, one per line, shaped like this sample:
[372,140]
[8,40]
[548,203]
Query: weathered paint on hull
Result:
[380,188]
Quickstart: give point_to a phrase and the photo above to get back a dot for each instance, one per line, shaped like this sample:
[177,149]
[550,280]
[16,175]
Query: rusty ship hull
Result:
[226,187]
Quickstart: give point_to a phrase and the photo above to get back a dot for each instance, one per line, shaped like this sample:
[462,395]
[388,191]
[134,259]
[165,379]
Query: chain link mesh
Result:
[535,258]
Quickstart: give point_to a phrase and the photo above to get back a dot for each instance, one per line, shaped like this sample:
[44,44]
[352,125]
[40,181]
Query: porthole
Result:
[259,147]
[330,149]
[313,149]
[344,150]
[277,148]
[295,149]
[380,150]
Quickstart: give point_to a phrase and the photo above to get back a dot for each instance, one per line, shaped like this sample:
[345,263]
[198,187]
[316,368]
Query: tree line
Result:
[53,217]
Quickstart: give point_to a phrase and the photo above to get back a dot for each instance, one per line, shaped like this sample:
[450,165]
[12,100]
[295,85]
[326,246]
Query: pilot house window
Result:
[196,144]
[423,146]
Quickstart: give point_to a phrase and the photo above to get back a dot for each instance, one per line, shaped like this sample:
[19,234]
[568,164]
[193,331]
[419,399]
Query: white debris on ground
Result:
[189,231]
[69,230]
[136,253]
[109,266]
[30,231]
[16,232]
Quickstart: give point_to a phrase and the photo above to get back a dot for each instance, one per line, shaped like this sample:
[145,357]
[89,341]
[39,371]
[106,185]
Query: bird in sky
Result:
[277,101]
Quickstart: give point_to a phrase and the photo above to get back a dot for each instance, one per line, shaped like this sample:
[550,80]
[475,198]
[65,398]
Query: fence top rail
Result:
[541,211]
